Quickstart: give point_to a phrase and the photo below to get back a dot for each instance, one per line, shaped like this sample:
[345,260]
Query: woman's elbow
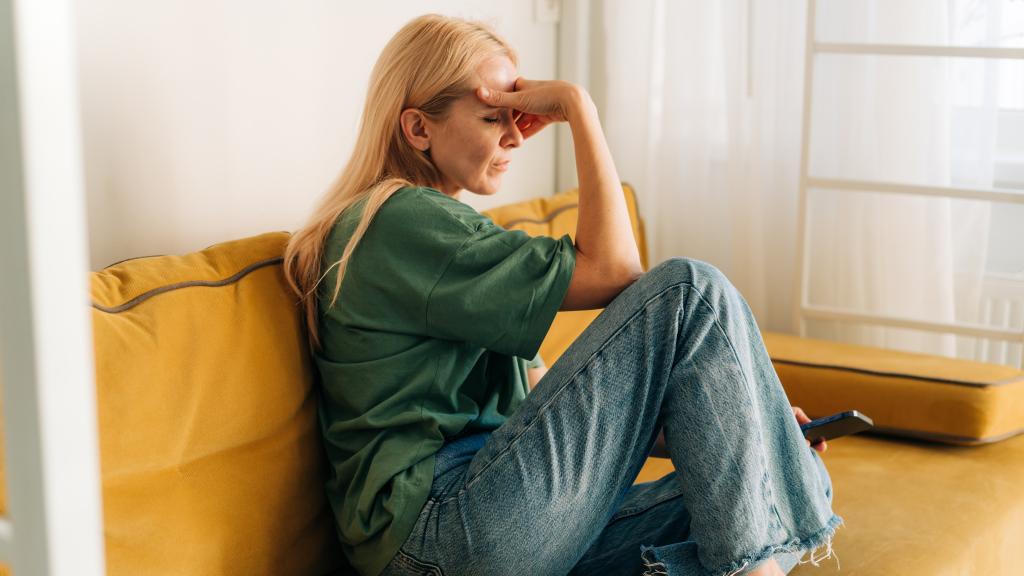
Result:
[594,285]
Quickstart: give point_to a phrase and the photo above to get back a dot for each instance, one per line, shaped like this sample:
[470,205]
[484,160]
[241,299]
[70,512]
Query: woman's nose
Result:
[512,137]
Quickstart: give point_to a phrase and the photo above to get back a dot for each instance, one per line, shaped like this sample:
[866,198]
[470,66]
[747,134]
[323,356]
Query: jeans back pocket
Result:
[404,564]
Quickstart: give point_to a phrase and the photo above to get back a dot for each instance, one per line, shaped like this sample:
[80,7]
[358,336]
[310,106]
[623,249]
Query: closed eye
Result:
[515,115]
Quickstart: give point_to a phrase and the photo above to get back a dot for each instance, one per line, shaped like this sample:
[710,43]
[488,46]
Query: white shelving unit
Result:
[55,523]
[804,310]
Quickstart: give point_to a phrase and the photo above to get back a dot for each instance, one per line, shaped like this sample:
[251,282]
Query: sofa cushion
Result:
[915,395]
[918,508]
[555,216]
[210,454]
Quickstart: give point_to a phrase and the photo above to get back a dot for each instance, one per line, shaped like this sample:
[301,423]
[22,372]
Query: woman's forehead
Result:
[497,72]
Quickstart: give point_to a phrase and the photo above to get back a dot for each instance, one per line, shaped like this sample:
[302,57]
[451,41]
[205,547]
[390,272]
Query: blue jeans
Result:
[551,490]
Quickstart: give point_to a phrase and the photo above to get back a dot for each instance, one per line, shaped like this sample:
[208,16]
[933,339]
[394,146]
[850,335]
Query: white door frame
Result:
[55,525]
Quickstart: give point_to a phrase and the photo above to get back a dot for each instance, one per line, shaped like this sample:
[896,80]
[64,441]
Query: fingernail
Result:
[485,92]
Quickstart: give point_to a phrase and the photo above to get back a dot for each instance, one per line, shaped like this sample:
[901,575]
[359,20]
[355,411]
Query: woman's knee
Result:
[680,270]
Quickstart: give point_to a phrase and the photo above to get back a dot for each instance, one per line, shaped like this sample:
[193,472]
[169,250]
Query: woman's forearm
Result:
[604,234]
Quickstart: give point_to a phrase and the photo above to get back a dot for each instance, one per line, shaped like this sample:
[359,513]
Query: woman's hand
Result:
[534,375]
[537,103]
[802,418]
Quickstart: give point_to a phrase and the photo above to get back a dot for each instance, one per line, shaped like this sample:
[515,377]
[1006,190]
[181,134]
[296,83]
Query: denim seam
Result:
[629,512]
[736,358]
[642,310]
[411,561]
[766,484]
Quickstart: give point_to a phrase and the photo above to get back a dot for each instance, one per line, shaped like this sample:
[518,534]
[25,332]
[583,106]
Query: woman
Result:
[440,461]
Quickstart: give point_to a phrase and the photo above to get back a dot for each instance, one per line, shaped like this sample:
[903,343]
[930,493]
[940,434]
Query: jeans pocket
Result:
[404,564]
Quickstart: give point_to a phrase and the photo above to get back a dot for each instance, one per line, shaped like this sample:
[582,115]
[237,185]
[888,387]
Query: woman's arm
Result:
[607,257]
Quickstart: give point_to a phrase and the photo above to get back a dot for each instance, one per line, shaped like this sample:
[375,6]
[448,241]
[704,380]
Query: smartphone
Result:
[835,426]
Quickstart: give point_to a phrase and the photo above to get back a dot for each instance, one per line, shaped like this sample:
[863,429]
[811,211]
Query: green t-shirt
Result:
[438,310]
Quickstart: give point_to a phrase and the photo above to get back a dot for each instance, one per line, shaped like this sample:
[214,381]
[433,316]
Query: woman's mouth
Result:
[502,166]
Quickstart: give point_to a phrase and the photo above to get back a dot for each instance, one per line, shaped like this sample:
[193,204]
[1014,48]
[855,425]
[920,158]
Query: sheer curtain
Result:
[702,101]
[885,118]
[711,142]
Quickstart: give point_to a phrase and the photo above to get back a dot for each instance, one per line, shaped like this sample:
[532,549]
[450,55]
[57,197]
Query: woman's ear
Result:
[414,128]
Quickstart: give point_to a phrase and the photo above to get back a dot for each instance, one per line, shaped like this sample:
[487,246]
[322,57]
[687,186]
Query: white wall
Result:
[209,120]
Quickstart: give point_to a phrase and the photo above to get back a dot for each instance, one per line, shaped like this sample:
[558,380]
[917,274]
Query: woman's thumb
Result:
[494,97]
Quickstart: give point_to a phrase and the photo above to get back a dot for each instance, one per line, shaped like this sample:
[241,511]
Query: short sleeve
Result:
[501,290]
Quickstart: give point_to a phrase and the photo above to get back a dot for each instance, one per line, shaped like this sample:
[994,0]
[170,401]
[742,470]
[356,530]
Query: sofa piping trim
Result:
[938,437]
[1014,380]
[187,284]
[548,218]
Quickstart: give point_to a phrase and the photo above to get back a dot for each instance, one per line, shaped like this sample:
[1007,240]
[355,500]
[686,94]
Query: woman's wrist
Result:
[580,107]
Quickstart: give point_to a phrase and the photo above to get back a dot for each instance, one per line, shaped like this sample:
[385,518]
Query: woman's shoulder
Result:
[402,200]
[425,206]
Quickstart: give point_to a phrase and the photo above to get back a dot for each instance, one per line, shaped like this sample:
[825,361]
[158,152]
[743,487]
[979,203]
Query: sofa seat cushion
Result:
[210,454]
[914,395]
[919,509]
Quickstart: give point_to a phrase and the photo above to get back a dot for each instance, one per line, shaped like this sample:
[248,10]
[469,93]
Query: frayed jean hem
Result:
[684,561]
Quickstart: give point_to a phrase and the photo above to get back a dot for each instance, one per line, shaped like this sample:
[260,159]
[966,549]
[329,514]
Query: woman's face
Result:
[472,146]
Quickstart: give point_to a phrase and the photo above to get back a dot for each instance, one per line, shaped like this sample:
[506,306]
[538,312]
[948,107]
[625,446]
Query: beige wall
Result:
[208,120]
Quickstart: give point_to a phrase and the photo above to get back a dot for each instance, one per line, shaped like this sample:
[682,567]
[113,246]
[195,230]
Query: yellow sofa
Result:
[211,462]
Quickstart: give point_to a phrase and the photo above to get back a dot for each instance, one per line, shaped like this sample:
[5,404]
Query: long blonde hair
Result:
[427,65]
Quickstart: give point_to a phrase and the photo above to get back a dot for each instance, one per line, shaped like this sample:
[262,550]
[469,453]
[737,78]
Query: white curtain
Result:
[711,143]
[891,119]
[702,102]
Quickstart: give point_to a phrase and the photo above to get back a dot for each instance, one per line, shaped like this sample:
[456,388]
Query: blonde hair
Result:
[427,65]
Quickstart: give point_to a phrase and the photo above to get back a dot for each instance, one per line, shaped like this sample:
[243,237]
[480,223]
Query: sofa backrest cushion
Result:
[211,458]
[919,396]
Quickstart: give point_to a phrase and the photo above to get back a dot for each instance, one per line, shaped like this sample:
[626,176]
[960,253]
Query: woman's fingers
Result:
[516,99]
[525,121]
[524,84]
[549,100]
[524,106]
[802,418]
